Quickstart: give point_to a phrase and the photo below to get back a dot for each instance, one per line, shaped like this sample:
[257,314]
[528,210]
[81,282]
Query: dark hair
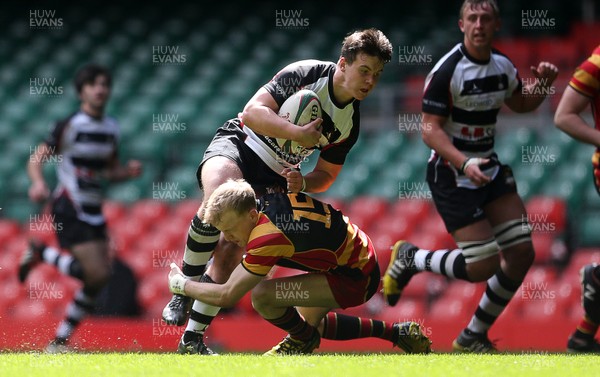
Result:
[369,41]
[88,74]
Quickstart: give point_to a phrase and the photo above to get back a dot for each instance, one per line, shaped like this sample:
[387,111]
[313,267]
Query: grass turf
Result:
[330,365]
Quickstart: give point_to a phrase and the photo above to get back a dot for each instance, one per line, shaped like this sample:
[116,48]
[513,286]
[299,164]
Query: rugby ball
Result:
[300,108]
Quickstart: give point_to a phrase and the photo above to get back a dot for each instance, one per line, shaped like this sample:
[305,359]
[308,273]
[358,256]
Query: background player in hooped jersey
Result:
[297,231]
[474,193]
[87,143]
[246,147]
[584,89]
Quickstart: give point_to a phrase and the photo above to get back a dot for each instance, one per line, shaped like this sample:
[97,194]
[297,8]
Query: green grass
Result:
[330,365]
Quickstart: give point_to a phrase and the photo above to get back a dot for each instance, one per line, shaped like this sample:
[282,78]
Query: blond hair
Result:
[235,195]
[478,3]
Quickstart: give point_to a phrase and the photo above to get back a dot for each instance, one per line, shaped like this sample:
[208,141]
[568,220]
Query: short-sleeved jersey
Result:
[340,125]
[297,231]
[470,93]
[586,80]
[87,146]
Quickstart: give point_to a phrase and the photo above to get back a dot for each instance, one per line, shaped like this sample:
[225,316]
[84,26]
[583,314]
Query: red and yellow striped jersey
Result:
[297,231]
[586,80]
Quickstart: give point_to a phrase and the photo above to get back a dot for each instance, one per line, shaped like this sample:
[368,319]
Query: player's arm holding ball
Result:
[260,114]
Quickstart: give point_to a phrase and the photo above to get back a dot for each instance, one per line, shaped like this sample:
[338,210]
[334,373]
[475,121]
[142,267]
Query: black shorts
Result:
[70,230]
[459,206]
[229,142]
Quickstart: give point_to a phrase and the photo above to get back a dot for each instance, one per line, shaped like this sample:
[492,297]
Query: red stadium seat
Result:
[544,310]
[424,285]
[583,35]
[547,214]
[336,203]
[365,210]
[31,310]
[398,227]
[407,309]
[113,211]
[542,244]
[127,232]
[540,274]
[580,258]
[415,211]
[562,52]
[467,292]
[9,229]
[152,288]
[413,86]
[142,262]
[149,211]
[450,309]
[519,51]
[185,210]
[432,241]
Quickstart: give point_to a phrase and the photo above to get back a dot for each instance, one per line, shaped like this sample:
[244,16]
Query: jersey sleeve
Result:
[52,140]
[515,84]
[266,246]
[586,79]
[437,97]
[294,77]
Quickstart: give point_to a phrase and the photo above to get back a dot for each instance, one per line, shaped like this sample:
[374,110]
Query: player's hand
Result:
[474,173]
[177,280]
[545,72]
[295,180]
[134,168]
[310,134]
[38,192]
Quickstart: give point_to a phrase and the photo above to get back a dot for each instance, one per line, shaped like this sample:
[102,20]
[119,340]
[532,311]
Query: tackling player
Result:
[245,147]
[296,231]
[87,144]
[474,193]
[584,89]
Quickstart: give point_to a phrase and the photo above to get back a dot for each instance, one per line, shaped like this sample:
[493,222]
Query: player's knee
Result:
[514,238]
[483,269]
[260,297]
[97,278]
[520,256]
[481,258]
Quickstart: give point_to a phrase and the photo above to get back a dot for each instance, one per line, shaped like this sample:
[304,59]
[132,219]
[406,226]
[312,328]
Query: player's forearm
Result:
[264,121]
[574,126]
[436,139]
[212,294]
[35,167]
[318,181]
[531,98]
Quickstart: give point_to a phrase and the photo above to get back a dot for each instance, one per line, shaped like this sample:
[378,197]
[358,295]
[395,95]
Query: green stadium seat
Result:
[589,230]
[591,196]
[568,182]
[126,192]
[20,209]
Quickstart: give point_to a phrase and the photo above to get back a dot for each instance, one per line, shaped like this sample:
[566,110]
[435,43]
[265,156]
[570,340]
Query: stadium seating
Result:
[228,58]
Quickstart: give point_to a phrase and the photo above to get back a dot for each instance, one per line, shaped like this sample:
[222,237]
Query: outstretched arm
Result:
[222,295]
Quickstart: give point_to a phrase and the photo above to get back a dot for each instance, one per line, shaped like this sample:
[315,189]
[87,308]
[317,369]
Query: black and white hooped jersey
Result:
[470,92]
[86,145]
[340,125]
